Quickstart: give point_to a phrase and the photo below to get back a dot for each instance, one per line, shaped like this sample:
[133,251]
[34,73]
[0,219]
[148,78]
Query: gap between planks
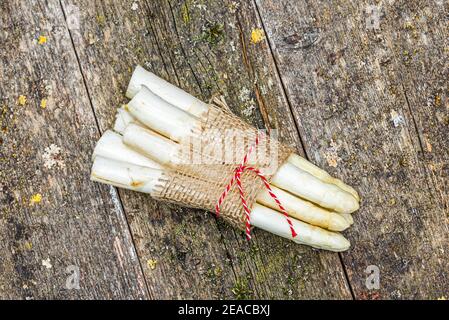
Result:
[287,98]
[122,210]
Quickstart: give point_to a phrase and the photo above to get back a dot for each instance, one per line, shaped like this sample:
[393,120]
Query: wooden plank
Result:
[204,48]
[420,49]
[349,99]
[54,223]
[179,251]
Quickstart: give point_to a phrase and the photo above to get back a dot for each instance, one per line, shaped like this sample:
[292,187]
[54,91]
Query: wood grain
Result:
[204,48]
[365,103]
[369,105]
[76,225]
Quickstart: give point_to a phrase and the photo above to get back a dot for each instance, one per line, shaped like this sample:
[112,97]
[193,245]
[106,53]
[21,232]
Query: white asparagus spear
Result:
[111,146]
[125,175]
[166,91]
[161,116]
[143,179]
[123,118]
[305,165]
[164,152]
[274,222]
[303,210]
[307,186]
[151,144]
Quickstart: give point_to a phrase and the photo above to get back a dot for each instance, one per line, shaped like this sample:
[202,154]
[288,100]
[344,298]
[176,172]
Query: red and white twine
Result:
[236,178]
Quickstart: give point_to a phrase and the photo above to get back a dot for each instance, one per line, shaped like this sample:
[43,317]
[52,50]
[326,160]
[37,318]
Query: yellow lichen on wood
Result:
[185,13]
[257,35]
[44,103]
[42,40]
[437,100]
[151,263]
[331,154]
[35,198]
[28,245]
[22,100]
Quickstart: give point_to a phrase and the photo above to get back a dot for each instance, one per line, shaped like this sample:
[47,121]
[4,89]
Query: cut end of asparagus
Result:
[137,80]
[122,119]
[125,175]
[168,92]
[111,146]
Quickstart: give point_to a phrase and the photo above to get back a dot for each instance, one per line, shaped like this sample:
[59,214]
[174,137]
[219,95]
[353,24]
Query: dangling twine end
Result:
[294,234]
[248,230]
[217,211]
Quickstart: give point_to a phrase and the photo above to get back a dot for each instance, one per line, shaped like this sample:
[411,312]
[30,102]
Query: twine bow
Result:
[238,172]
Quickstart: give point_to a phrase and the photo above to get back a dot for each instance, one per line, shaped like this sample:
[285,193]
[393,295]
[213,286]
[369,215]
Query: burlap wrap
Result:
[201,174]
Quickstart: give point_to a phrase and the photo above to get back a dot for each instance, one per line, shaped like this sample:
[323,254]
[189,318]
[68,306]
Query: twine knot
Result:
[237,178]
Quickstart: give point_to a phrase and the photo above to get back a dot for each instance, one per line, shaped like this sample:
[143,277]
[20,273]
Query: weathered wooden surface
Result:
[325,76]
[374,94]
[76,224]
[206,50]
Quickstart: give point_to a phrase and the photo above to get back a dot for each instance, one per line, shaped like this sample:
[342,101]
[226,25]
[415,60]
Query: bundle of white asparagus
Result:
[145,142]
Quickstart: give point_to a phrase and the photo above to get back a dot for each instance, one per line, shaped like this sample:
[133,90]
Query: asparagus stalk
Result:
[161,116]
[301,183]
[144,179]
[151,144]
[304,210]
[274,222]
[122,119]
[111,146]
[164,152]
[319,173]
[165,90]
[125,175]
[348,217]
